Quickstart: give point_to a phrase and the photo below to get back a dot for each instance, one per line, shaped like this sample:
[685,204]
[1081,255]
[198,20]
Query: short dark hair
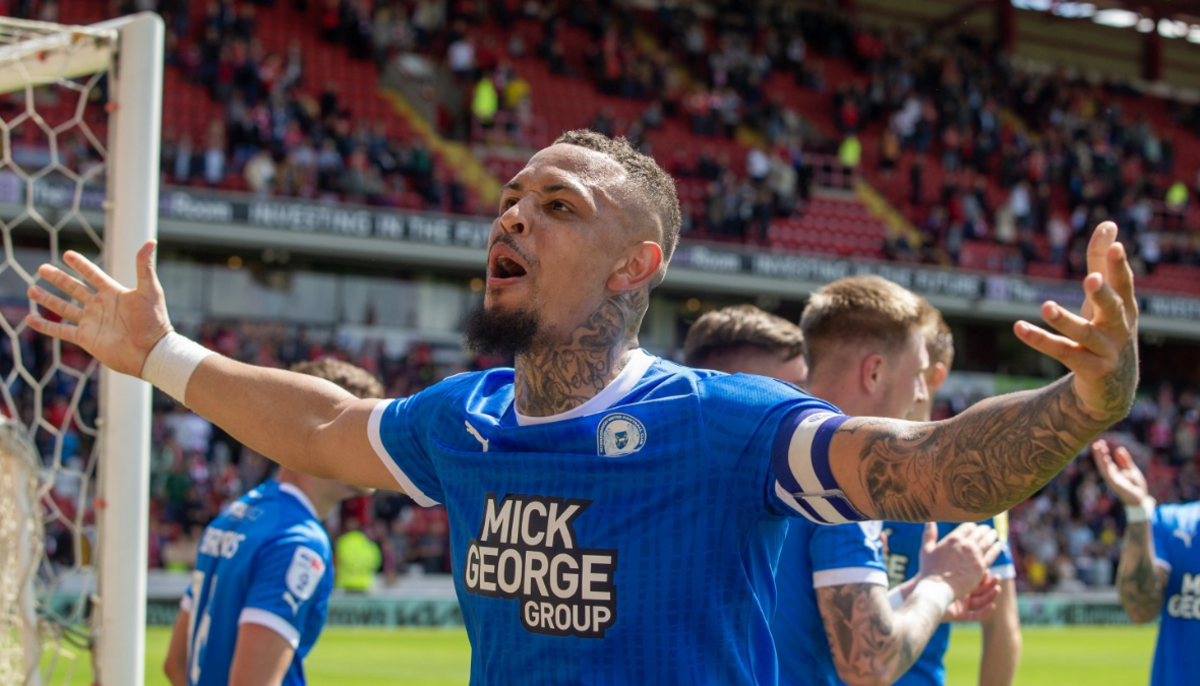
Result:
[355,380]
[647,178]
[858,308]
[939,340]
[736,328]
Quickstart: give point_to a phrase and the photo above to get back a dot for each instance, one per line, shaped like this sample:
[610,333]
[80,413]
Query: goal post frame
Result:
[131,219]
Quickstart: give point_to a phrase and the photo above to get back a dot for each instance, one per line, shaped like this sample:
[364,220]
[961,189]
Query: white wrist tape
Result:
[171,363]
[1140,513]
[935,591]
[896,597]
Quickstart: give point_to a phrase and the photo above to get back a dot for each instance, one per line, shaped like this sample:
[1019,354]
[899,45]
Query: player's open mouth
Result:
[504,266]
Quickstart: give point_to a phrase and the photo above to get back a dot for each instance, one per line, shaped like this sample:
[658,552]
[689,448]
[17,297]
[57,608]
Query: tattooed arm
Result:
[1140,582]
[873,644]
[1004,449]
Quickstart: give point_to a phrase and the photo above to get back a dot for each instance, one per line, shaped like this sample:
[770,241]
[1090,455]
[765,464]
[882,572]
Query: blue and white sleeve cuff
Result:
[374,432]
[803,477]
[850,575]
[254,615]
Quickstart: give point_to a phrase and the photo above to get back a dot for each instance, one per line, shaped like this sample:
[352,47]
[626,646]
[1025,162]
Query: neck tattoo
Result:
[554,379]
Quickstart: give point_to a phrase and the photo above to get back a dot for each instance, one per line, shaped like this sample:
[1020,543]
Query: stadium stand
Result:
[739,106]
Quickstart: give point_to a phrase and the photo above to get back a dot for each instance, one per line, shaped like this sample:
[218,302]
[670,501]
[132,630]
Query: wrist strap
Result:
[936,591]
[170,365]
[1141,512]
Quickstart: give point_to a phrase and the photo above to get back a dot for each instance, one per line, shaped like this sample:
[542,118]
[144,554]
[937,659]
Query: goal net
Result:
[79,121]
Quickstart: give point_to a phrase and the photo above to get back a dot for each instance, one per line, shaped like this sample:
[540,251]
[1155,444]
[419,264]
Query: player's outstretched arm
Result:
[1141,584]
[304,423]
[1002,450]
[874,645]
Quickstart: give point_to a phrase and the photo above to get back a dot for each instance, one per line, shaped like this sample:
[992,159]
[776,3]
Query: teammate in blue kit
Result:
[1002,626]
[1159,572]
[836,622]
[615,518]
[260,591]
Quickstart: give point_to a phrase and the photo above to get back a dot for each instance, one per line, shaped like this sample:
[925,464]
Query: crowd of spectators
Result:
[281,133]
[1029,160]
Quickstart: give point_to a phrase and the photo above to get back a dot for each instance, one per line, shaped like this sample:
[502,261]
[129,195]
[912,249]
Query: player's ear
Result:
[637,267]
[937,378]
[871,371]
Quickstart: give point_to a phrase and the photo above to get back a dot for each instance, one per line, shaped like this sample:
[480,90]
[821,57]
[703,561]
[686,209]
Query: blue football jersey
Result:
[902,559]
[1176,530]
[631,540]
[815,557]
[265,561]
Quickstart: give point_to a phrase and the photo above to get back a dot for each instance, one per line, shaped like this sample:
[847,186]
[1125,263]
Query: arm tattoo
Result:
[1140,583]
[981,462]
[554,379]
[871,643]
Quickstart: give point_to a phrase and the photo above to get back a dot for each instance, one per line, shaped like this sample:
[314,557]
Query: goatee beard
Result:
[508,334]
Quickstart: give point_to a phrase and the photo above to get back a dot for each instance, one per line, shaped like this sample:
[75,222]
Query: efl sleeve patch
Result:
[304,574]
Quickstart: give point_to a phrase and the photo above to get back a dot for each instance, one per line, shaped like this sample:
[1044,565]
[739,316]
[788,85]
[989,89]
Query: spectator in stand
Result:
[356,559]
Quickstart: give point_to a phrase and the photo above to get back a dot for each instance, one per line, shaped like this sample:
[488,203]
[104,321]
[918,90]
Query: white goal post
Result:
[129,51]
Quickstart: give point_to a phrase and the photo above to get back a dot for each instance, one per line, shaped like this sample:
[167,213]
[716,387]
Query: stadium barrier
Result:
[429,601]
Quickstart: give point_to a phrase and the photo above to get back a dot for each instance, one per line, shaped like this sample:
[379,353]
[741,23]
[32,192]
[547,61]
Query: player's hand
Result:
[1100,344]
[116,325]
[1120,473]
[977,604]
[962,558]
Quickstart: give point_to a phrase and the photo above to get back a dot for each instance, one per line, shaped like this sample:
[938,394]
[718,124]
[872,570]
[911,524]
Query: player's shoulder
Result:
[1179,515]
[469,389]
[717,389]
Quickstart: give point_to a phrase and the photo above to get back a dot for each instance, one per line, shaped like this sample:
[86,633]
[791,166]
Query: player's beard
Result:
[508,333]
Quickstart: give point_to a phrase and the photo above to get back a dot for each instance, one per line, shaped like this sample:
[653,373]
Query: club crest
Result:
[619,434]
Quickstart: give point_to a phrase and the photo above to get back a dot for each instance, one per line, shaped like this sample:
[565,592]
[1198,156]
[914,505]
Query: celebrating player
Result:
[1002,626]
[835,622]
[261,587]
[1159,572]
[614,516]
[844,562]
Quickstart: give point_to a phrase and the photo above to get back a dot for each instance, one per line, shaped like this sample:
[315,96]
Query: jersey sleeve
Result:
[847,555]
[291,581]
[1004,567]
[783,436]
[396,431]
[185,603]
[1162,527]
[802,480]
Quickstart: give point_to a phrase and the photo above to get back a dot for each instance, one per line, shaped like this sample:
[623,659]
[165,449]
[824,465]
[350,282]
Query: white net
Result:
[53,132]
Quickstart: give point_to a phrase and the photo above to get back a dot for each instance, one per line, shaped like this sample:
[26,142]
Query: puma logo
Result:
[1184,536]
[471,430]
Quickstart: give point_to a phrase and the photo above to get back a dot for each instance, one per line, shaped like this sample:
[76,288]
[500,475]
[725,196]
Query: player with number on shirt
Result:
[261,587]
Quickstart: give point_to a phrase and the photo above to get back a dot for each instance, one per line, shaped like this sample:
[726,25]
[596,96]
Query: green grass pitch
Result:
[1053,656]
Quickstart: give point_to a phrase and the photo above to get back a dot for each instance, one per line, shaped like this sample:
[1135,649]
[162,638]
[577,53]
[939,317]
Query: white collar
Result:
[639,363]
[294,491]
